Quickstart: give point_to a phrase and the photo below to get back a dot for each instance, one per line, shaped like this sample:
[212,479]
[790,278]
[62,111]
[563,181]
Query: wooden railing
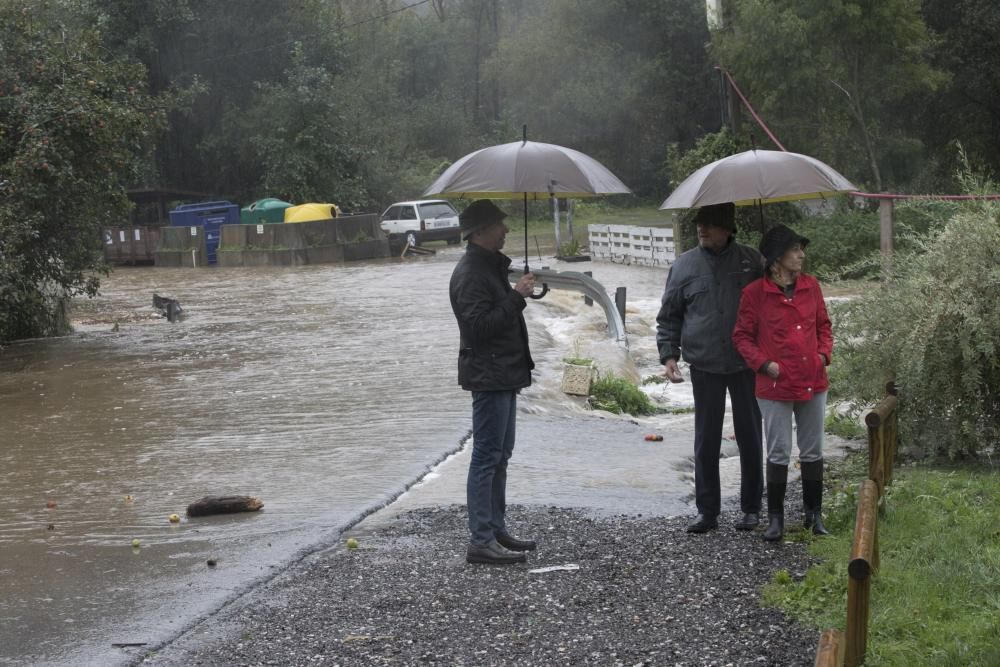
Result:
[883,436]
[848,649]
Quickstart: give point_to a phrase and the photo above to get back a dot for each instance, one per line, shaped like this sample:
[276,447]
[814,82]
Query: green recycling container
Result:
[264,211]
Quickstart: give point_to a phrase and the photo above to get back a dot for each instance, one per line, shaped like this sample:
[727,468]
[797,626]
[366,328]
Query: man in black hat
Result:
[696,320]
[494,363]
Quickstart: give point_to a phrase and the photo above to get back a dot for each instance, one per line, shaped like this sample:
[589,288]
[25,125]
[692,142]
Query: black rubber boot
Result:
[777,480]
[812,497]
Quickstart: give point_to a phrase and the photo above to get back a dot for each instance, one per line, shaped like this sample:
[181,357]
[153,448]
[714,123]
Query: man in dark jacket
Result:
[696,318]
[494,363]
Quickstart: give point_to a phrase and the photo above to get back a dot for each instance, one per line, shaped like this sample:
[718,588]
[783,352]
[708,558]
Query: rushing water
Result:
[322,390]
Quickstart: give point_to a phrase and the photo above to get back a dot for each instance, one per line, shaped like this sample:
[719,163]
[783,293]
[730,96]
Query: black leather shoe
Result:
[703,524]
[514,544]
[748,522]
[493,554]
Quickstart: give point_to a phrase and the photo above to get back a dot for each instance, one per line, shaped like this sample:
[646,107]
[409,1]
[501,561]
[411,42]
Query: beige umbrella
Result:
[758,177]
[526,170]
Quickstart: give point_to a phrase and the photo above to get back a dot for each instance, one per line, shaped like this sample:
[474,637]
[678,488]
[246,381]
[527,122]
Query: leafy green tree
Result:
[837,80]
[74,122]
[299,140]
[617,79]
[965,109]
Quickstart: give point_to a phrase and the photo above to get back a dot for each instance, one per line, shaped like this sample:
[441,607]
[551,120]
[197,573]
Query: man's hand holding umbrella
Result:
[525,285]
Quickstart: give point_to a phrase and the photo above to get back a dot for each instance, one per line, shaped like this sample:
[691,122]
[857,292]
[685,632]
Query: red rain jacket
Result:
[795,333]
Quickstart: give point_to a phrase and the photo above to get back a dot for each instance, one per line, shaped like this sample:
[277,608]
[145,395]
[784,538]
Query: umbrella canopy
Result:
[526,170]
[758,177]
[540,171]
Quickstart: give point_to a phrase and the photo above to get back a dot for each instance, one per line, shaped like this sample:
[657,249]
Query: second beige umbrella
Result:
[758,177]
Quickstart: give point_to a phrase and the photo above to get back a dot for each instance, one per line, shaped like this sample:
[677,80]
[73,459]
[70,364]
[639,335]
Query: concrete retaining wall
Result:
[288,244]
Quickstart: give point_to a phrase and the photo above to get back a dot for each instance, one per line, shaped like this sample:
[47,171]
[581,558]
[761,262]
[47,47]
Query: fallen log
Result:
[224,505]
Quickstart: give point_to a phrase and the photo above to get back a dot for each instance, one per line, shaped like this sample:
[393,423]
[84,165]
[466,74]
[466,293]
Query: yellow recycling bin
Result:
[310,212]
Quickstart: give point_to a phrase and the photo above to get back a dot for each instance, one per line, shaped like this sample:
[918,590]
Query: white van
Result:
[424,220]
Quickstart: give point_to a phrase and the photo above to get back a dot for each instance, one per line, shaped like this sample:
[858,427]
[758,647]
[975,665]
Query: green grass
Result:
[541,226]
[845,426]
[936,598]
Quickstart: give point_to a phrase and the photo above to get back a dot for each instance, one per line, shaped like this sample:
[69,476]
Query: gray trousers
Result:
[809,422]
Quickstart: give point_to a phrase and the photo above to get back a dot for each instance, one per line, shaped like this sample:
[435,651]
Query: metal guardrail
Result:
[579,282]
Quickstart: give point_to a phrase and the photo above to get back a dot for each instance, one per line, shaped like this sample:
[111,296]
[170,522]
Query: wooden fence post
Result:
[864,561]
[882,435]
[831,649]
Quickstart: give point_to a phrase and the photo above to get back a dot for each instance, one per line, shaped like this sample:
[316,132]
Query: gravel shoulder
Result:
[609,511]
[631,590]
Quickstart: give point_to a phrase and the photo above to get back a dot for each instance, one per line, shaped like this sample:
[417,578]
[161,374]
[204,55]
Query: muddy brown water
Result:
[323,390]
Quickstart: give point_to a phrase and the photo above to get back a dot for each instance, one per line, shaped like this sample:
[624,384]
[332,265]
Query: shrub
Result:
[570,248]
[618,395]
[845,426]
[935,325]
[842,245]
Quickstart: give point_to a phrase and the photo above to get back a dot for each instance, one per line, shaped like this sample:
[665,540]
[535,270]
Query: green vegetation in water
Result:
[618,395]
[935,599]
[578,361]
[570,248]
[653,379]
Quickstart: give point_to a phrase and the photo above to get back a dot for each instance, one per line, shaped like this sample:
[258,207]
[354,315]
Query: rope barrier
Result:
[887,195]
[753,113]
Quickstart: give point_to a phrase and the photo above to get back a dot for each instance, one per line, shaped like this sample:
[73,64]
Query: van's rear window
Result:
[437,210]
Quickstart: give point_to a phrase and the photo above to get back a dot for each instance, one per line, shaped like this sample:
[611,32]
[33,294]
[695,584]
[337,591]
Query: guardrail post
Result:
[864,561]
[620,301]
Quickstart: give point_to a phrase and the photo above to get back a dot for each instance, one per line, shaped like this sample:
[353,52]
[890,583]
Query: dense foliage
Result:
[836,78]
[934,325]
[73,121]
[363,102]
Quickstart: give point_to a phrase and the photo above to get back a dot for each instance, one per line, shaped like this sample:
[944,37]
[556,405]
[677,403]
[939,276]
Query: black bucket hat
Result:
[478,215]
[717,215]
[777,241]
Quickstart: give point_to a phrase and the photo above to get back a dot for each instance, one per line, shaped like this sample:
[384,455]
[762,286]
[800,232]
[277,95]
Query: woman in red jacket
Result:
[783,332]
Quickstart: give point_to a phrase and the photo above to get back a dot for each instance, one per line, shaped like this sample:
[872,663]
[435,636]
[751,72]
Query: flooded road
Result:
[323,390]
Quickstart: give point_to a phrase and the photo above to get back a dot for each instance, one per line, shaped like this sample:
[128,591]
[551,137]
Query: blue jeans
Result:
[493,421]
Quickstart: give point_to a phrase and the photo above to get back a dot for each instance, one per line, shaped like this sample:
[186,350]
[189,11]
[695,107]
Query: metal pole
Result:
[885,216]
[526,270]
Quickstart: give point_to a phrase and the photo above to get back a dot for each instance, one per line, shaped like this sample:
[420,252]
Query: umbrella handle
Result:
[545,290]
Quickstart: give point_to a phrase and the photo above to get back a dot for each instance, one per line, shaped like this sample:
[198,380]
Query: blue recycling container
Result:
[211,215]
